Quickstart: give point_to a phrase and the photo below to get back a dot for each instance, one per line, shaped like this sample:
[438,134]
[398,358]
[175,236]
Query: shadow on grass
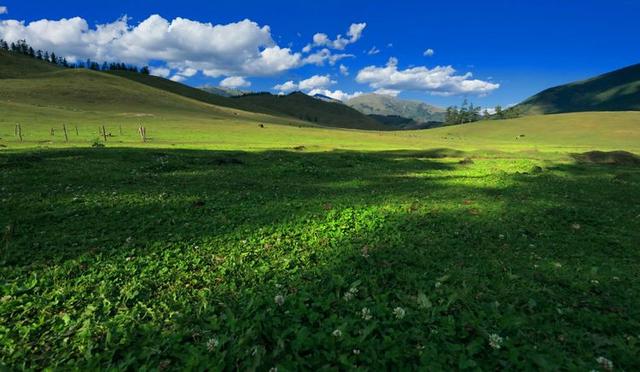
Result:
[128,258]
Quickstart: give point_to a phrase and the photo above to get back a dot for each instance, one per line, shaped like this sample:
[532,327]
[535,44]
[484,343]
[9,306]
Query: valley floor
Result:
[156,258]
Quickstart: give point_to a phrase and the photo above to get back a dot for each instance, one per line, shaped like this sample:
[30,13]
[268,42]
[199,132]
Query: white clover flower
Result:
[337,333]
[212,344]
[279,300]
[399,312]
[605,363]
[495,341]
[366,313]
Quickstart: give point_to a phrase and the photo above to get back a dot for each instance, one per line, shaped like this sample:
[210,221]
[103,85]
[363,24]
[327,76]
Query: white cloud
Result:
[387,92]
[373,51]
[429,52]
[440,80]
[235,82]
[313,83]
[4,10]
[336,94]
[322,40]
[160,71]
[286,87]
[344,70]
[316,82]
[236,49]
[320,57]
[188,72]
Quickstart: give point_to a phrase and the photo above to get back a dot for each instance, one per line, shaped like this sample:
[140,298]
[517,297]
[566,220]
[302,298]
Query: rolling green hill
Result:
[378,104]
[27,81]
[296,105]
[614,91]
[304,107]
[14,65]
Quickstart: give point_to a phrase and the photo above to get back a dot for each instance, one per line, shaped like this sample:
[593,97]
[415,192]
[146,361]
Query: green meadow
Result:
[236,240]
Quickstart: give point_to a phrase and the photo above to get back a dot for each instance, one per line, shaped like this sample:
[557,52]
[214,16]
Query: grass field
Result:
[161,258]
[235,240]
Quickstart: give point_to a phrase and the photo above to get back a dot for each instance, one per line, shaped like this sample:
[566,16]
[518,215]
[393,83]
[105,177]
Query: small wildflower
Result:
[495,341]
[356,351]
[212,344]
[337,333]
[366,313]
[399,312]
[605,363]
[279,300]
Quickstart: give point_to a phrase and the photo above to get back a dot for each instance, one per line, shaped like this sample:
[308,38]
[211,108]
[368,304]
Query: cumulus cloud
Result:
[322,40]
[373,51]
[324,55]
[242,48]
[160,71]
[335,94]
[440,80]
[235,82]
[4,10]
[314,82]
[344,70]
[286,87]
[429,52]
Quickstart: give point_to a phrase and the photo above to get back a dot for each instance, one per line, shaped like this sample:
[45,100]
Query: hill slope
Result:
[614,91]
[304,107]
[297,106]
[377,104]
[27,81]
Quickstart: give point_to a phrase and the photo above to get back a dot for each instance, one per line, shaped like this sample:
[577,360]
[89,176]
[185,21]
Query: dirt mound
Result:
[608,157]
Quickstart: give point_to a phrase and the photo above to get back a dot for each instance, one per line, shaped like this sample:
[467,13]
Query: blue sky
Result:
[522,46]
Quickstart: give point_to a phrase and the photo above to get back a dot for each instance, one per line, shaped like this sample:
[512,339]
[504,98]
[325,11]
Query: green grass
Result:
[156,258]
[618,90]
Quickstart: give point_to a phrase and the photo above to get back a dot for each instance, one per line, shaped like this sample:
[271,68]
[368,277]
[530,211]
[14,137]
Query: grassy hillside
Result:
[614,91]
[13,65]
[304,107]
[377,104]
[296,105]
